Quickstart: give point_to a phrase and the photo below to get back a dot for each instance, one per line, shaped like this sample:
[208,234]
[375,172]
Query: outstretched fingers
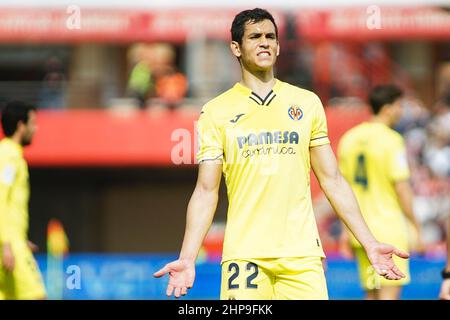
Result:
[161,272]
[169,290]
[392,276]
[389,274]
[177,292]
[398,272]
[401,254]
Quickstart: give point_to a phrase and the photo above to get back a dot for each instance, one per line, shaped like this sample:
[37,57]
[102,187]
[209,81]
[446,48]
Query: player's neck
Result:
[382,119]
[260,83]
[17,138]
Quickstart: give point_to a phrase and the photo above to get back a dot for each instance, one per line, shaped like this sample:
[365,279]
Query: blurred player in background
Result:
[20,277]
[445,287]
[264,135]
[372,157]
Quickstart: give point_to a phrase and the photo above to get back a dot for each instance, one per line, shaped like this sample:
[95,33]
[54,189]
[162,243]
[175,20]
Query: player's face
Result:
[396,111]
[259,48]
[29,129]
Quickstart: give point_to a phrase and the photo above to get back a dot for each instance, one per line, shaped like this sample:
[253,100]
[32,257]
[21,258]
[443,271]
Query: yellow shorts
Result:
[370,280]
[274,279]
[25,282]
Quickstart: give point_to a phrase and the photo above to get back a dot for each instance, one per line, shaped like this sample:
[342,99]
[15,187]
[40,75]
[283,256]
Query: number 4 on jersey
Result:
[361,172]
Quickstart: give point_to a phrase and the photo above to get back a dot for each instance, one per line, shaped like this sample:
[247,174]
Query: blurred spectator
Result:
[443,80]
[51,94]
[172,88]
[154,75]
[140,82]
[171,84]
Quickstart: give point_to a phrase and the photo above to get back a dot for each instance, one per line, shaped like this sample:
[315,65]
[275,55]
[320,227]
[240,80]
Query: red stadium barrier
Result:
[104,138]
[374,23]
[133,138]
[100,25]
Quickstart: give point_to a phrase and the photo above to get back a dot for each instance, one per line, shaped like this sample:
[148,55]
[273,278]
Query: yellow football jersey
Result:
[14,192]
[372,157]
[264,147]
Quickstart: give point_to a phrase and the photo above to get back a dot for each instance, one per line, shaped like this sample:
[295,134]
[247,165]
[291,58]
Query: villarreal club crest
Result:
[295,113]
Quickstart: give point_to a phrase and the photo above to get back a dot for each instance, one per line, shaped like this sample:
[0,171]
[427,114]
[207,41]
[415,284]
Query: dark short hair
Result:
[382,95]
[251,16]
[12,113]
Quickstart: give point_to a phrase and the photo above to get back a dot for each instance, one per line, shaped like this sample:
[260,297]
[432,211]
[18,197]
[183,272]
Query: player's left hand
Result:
[380,256]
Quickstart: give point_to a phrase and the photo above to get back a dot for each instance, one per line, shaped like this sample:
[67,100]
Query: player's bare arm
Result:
[341,197]
[200,214]
[7,257]
[405,197]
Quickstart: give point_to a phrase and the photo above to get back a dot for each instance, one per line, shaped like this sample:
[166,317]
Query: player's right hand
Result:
[8,260]
[181,276]
[380,256]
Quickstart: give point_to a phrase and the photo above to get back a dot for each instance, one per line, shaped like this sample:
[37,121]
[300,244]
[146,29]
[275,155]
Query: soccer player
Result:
[19,274]
[264,135]
[372,157]
[445,287]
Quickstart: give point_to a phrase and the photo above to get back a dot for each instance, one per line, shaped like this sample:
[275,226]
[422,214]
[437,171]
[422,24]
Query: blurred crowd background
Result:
[112,81]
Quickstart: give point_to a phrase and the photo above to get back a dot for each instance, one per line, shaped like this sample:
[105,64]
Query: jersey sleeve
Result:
[8,173]
[319,131]
[398,162]
[210,142]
